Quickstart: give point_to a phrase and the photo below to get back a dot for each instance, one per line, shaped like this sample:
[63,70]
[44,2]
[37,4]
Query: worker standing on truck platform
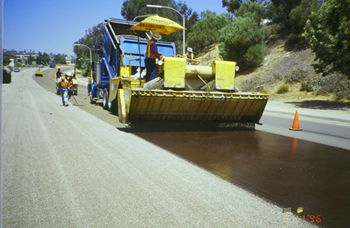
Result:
[151,56]
[64,85]
[190,56]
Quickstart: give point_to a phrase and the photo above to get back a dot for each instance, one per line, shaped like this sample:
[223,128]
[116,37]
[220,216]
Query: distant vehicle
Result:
[41,66]
[17,70]
[6,75]
[52,64]
[39,72]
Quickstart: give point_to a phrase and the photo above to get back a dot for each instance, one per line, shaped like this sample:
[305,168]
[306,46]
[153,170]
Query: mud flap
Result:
[124,99]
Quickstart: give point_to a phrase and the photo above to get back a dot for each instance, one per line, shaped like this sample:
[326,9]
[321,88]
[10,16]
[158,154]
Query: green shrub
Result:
[252,10]
[283,89]
[296,76]
[243,41]
[310,84]
[204,32]
[328,33]
[83,64]
[336,84]
[299,15]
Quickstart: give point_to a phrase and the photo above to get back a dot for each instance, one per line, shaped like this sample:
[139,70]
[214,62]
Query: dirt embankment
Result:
[280,68]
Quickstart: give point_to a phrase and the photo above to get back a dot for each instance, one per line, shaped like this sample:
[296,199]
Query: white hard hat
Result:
[189,49]
[155,35]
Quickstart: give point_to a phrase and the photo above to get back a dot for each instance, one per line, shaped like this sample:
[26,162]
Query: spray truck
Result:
[182,92]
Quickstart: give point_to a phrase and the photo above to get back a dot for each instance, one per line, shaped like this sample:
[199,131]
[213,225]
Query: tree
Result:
[83,63]
[93,39]
[134,8]
[234,5]
[251,9]
[31,59]
[299,15]
[328,33]
[42,58]
[278,11]
[60,59]
[205,31]
[243,41]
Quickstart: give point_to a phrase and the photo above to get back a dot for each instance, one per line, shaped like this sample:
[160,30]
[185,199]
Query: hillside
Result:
[283,73]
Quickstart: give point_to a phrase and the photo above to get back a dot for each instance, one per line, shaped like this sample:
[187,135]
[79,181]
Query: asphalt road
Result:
[64,167]
[326,124]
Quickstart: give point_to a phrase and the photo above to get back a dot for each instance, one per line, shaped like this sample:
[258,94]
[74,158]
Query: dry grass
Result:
[293,68]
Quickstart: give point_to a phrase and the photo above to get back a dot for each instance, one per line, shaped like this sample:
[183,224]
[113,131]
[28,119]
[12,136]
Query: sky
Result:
[52,26]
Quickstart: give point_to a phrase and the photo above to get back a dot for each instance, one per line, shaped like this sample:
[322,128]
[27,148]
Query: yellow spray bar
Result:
[195,106]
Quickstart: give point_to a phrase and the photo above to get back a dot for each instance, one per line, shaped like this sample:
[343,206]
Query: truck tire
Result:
[105,99]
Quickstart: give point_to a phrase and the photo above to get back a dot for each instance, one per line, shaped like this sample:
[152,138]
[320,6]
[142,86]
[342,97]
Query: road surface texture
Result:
[64,167]
[279,169]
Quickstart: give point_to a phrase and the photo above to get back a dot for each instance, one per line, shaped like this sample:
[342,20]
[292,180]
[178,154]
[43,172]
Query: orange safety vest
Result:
[64,83]
[70,82]
[149,53]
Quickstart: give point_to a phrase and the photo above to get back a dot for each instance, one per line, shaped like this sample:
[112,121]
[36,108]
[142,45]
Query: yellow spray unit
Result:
[190,93]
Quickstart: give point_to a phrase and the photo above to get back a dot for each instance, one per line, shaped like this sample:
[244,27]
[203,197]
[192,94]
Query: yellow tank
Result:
[187,93]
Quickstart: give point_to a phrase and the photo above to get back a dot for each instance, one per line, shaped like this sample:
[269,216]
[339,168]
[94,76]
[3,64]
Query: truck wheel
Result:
[105,99]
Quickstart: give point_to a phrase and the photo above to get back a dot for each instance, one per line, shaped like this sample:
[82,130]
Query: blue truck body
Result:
[121,47]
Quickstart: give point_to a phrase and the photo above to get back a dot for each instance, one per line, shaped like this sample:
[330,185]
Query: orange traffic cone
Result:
[295,126]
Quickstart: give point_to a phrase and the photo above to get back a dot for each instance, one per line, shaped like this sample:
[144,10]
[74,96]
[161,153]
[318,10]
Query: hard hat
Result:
[189,49]
[155,35]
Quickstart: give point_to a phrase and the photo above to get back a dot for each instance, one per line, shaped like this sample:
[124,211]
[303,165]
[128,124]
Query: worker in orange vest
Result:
[151,56]
[64,85]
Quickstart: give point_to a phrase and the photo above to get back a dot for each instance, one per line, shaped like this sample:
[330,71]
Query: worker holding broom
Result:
[64,85]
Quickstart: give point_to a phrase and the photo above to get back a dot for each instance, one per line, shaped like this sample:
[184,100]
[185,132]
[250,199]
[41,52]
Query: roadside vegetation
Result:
[42,58]
[282,46]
